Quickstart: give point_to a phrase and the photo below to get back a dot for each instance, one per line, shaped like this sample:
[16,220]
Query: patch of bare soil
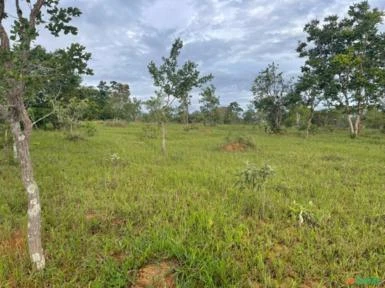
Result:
[234,147]
[16,242]
[159,275]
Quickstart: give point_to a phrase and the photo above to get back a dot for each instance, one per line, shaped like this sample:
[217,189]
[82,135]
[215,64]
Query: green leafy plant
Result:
[305,214]
[90,129]
[253,179]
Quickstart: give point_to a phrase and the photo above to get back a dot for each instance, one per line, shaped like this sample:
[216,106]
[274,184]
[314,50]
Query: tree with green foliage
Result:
[71,113]
[308,95]
[347,55]
[233,113]
[270,90]
[16,73]
[174,83]
[249,115]
[119,96]
[56,79]
[210,104]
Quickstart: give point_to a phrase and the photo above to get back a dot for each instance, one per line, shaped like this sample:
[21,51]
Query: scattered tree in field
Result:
[55,80]
[210,104]
[347,55]
[112,101]
[249,115]
[71,113]
[15,74]
[270,91]
[119,98]
[233,113]
[174,83]
[307,94]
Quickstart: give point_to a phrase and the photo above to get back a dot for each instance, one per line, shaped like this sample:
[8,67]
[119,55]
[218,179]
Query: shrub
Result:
[252,180]
[90,129]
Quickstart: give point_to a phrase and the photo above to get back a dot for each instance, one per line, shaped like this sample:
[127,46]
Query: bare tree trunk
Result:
[309,120]
[164,148]
[186,116]
[21,135]
[298,119]
[352,128]
[357,125]
[15,154]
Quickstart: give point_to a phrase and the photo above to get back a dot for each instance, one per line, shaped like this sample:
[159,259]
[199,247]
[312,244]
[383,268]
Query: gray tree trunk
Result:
[357,125]
[309,120]
[21,128]
[15,154]
[164,148]
[354,127]
[34,206]
[298,120]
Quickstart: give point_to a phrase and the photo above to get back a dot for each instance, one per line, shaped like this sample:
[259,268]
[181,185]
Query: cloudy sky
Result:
[233,39]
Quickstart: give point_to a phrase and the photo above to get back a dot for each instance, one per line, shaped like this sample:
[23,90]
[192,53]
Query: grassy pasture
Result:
[113,203]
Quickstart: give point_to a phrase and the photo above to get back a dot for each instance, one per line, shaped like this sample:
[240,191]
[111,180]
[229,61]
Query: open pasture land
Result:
[113,203]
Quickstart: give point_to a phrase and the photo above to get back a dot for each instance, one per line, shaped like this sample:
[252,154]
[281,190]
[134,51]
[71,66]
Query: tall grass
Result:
[113,203]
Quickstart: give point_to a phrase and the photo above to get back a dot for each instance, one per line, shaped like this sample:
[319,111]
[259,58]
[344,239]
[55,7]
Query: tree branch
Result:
[3,33]
[18,10]
[35,12]
[42,118]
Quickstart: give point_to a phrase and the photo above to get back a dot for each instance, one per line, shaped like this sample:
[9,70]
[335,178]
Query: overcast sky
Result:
[232,39]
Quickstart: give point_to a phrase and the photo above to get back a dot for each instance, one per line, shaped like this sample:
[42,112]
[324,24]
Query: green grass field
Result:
[113,203]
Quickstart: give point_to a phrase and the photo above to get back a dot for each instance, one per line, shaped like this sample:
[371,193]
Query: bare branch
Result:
[53,109]
[42,118]
[18,10]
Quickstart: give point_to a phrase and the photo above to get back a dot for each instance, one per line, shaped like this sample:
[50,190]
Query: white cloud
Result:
[233,39]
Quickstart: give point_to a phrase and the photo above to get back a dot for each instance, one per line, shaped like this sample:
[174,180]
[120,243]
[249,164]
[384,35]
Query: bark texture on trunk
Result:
[21,124]
[21,127]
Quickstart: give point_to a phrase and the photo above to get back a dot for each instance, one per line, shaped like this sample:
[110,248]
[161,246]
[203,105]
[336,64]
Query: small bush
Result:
[74,136]
[307,214]
[90,129]
[252,180]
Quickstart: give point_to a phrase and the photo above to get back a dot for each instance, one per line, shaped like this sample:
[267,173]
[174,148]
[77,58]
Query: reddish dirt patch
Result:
[91,215]
[15,243]
[159,275]
[234,147]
